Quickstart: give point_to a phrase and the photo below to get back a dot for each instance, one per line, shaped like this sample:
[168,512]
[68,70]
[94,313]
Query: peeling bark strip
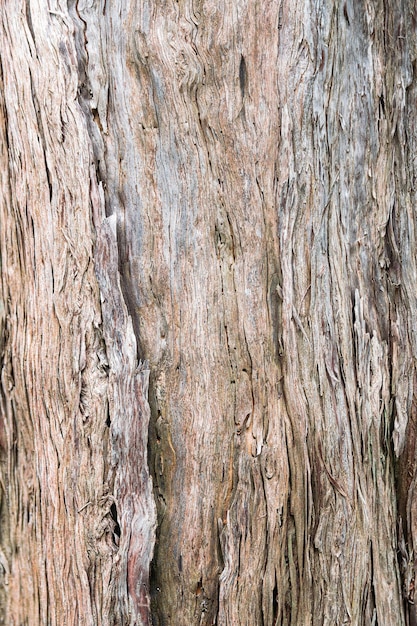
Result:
[129,414]
[255,161]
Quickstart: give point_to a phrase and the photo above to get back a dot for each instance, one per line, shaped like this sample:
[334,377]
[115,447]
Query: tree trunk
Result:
[215,201]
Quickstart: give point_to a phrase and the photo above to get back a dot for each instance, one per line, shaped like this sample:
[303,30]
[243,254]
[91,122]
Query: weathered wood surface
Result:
[74,403]
[255,161]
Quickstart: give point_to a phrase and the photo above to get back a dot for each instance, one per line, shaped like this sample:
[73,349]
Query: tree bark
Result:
[208,302]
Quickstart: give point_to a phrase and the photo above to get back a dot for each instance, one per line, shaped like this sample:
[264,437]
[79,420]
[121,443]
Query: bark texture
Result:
[77,511]
[225,191]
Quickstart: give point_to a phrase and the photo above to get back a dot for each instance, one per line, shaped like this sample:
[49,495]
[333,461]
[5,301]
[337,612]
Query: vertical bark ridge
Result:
[76,492]
[258,247]
[59,539]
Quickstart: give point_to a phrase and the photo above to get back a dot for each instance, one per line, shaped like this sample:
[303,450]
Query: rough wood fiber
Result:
[74,412]
[256,162]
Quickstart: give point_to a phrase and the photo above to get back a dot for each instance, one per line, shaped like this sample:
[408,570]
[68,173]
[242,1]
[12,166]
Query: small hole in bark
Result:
[113,513]
[108,420]
[382,104]
[199,589]
[96,118]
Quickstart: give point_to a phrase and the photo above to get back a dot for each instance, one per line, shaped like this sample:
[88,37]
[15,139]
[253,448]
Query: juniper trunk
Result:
[208,312]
